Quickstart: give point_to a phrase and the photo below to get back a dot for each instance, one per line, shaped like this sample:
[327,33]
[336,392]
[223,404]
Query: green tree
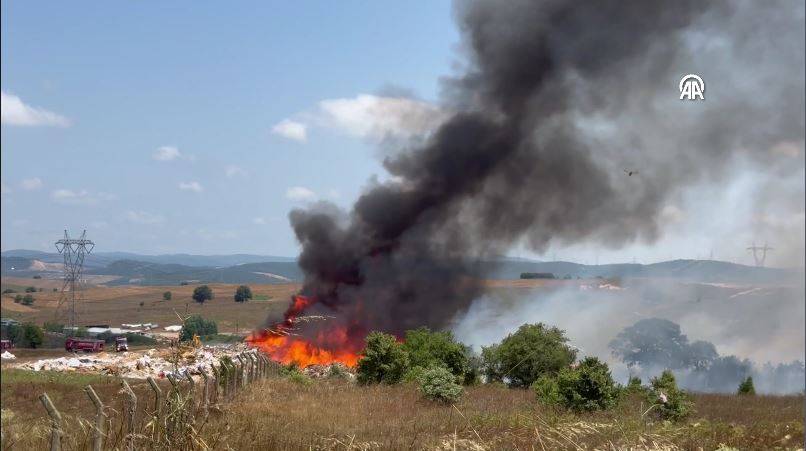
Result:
[30,289]
[27,300]
[32,335]
[522,357]
[202,293]
[243,294]
[670,402]
[18,299]
[439,384]
[426,349]
[746,387]
[587,387]
[196,325]
[383,360]
[9,291]
[166,296]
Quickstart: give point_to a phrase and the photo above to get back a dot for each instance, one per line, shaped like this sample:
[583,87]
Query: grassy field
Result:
[334,414]
[101,304]
[122,304]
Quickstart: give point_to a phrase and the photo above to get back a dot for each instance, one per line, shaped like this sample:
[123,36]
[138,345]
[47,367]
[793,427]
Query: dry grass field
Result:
[333,414]
[121,304]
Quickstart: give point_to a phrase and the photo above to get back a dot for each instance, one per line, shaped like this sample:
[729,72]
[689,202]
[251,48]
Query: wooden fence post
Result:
[157,395]
[216,381]
[192,394]
[157,407]
[131,411]
[254,366]
[244,371]
[100,417]
[205,391]
[55,423]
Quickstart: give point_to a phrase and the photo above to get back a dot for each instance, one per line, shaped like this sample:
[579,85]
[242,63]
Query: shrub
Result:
[414,374]
[27,300]
[243,294]
[202,293]
[32,335]
[426,349]
[196,325]
[37,276]
[298,377]
[634,385]
[746,387]
[166,296]
[532,351]
[18,299]
[30,289]
[55,290]
[439,384]
[588,387]
[672,403]
[9,291]
[547,390]
[383,360]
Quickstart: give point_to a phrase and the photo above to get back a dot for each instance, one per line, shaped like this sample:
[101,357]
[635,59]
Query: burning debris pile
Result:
[156,363]
[536,134]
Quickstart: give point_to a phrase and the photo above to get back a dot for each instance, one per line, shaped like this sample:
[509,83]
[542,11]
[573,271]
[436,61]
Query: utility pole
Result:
[74,251]
[756,249]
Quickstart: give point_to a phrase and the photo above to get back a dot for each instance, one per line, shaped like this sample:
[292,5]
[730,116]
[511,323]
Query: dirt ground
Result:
[138,304]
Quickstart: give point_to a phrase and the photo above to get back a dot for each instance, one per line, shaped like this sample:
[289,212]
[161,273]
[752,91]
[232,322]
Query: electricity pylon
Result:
[74,251]
[755,249]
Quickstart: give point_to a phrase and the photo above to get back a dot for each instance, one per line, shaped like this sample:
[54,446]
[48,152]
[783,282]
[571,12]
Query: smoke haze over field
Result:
[761,323]
[556,99]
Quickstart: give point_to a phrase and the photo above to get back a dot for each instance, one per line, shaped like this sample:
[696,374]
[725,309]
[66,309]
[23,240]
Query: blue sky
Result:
[148,98]
[195,127]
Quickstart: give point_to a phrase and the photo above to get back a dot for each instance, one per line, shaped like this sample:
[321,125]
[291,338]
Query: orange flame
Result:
[329,346]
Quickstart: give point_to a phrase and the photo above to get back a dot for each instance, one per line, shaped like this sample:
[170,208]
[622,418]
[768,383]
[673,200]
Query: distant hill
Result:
[248,268]
[99,259]
[689,270]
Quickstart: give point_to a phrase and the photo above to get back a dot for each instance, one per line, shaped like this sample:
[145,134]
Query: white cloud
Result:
[31,183]
[300,194]
[14,112]
[376,117]
[233,171]
[259,221]
[143,217]
[293,130]
[80,197]
[191,186]
[167,153]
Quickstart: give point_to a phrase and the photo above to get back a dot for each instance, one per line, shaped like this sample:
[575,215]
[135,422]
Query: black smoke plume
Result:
[556,100]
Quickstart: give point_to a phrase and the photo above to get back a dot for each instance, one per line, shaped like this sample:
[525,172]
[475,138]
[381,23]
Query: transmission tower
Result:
[74,251]
[756,249]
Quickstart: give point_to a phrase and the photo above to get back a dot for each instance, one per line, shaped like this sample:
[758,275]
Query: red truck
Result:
[75,344]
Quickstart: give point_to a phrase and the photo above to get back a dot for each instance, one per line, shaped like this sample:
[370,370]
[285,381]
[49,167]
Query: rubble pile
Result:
[179,361]
[7,356]
[335,370]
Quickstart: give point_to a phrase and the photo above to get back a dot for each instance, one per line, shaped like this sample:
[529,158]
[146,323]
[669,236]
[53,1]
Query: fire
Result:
[330,345]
